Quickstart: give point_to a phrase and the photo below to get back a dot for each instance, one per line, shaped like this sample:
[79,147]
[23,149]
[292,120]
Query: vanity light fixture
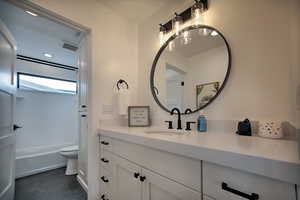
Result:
[177,21]
[214,33]
[171,46]
[31,13]
[186,37]
[197,12]
[162,31]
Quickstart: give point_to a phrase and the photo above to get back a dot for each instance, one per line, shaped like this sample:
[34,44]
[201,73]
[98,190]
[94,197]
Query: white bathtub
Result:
[35,160]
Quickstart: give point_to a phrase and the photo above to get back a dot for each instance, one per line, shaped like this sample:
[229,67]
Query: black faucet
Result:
[179,117]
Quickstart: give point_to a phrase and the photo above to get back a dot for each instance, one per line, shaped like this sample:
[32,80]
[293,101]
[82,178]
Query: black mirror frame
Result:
[189,28]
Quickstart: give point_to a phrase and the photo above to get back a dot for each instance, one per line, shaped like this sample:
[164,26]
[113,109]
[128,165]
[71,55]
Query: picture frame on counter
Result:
[139,116]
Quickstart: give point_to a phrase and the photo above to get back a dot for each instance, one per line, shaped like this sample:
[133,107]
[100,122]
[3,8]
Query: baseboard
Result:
[82,183]
[41,170]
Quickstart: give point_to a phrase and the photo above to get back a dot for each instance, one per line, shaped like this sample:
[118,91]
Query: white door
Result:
[7,101]
[83,75]
[126,180]
[156,187]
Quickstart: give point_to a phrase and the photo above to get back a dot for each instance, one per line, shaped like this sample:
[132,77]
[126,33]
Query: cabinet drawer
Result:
[105,183]
[106,160]
[223,183]
[178,168]
[106,143]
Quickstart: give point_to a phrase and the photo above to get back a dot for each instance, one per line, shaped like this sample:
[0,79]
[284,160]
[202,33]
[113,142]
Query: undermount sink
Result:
[166,132]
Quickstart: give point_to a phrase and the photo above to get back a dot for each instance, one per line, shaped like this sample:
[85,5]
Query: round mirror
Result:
[190,69]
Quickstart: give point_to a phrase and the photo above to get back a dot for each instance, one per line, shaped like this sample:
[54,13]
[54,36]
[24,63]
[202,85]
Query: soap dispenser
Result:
[201,122]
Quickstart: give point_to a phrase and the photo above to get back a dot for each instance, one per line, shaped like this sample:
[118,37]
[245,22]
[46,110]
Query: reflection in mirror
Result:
[191,70]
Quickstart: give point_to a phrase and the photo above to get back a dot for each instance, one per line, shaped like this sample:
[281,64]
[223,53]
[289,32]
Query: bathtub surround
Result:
[49,123]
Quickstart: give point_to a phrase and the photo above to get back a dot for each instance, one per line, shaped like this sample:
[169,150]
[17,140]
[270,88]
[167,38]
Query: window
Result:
[46,84]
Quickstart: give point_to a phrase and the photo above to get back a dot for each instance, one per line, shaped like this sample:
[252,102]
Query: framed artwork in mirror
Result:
[205,92]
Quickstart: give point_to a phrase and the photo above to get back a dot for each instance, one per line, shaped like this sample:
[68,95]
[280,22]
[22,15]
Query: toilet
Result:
[71,154]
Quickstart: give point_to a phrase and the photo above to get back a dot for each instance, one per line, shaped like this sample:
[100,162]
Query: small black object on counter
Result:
[244,128]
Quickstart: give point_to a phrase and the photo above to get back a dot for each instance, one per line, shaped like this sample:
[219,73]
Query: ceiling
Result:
[137,10]
[36,36]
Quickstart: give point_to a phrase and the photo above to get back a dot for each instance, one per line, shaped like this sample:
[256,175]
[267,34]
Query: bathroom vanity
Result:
[138,163]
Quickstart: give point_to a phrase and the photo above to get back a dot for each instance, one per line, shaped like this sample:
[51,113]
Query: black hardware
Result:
[253,196]
[104,179]
[170,124]
[83,115]
[83,106]
[15,127]
[103,197]
[179,117]
[45,62]
[104,143]
[185,15]
[188,126]
[142,178]
[136,175]
[244,128]
[120,82]
[161,50]
[104,160]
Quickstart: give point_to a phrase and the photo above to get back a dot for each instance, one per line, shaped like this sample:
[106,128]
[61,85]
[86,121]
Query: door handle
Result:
[104,160]
[15,127]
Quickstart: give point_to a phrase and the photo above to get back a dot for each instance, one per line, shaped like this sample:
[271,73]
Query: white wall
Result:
[258,33]
[114,56]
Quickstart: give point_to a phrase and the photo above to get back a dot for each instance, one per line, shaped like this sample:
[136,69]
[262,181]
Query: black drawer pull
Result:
[103,197]
[104,179]
[104,143]
[253,196]
[136,175]
[104,160]
[142,178]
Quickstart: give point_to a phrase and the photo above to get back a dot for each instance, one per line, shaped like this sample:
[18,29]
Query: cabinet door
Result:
[156,187]
[127,185]
[83,152]
[298,193]
[223,183]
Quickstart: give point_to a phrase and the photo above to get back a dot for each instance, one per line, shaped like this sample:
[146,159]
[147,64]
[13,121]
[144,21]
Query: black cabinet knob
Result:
[142,178]
[136,175]
[104,160]
[103,197]
[104,179]
[104,143]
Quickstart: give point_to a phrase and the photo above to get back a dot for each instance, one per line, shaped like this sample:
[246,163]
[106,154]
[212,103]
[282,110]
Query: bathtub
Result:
[35,160]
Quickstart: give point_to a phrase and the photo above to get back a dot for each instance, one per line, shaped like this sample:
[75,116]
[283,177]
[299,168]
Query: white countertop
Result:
[277,159]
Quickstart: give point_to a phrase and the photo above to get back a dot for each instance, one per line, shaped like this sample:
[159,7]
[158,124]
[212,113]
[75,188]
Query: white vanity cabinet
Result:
[138,172]
[223,183]
[126,175]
